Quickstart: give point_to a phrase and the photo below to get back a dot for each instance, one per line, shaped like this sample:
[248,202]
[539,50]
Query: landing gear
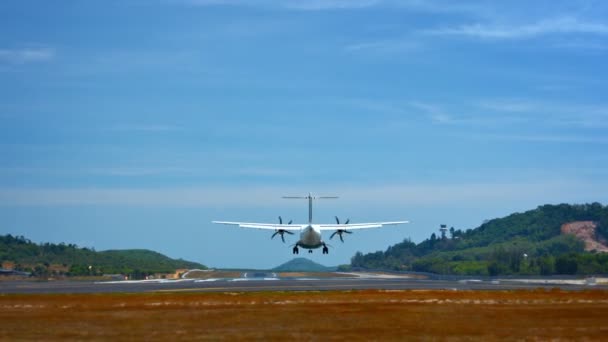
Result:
[325,250]
[295,250]
[310,251]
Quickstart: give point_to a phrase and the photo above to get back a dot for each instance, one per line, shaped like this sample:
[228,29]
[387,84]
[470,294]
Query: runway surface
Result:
[288,284]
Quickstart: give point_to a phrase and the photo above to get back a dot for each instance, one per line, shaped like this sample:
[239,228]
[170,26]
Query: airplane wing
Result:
[269,226]
[353,226]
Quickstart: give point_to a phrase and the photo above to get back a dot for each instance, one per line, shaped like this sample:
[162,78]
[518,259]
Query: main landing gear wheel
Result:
[295,250]
[325,250]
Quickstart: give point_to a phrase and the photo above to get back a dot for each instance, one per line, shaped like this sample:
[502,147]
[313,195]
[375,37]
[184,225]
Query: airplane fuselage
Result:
[310,238]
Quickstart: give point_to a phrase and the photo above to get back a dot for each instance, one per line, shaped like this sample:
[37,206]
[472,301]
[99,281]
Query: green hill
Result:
[302,265]
[528,243]
[61,259]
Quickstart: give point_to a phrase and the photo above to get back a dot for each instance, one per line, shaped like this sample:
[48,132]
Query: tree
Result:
[546,265]
[495,268]
[521,243]
[566,264]
[357,260]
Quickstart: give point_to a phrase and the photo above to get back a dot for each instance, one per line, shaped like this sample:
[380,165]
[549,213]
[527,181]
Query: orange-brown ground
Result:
[358,315]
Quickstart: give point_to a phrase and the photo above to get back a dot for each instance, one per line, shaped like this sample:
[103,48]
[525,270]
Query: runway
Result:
[287,284]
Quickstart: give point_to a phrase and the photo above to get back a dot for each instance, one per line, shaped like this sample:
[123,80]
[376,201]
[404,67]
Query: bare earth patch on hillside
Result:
[337,315]
[585,231]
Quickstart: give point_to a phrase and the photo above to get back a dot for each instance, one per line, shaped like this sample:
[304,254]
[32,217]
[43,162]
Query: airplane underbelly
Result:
[310,239]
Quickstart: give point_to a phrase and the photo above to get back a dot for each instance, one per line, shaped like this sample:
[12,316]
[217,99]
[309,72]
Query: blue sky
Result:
[133,124]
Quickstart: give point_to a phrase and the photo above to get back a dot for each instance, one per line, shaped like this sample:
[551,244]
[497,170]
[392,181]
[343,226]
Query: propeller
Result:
[338,220]
[340,231]
[281,220]
[282,231]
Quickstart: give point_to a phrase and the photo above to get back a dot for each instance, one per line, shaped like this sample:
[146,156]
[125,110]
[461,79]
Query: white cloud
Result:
[171,197]
[509,105]
[564,114]
[137,171]
[143,171]
[303,5]
[385,47]
[541,191]
[546,138]
[206,2]
[316,5]
[262,172]
[120,171]
[560,25]
[373,105]
[582,45]
[494,113]
[27,55]
[436,114]
[146,128]
[430,6]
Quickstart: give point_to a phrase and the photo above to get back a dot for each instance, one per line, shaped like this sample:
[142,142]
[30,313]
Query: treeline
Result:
[48,259]
[527,243]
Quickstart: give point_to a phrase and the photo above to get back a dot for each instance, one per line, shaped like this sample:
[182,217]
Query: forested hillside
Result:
[527,243]
[302,265]
[61,259]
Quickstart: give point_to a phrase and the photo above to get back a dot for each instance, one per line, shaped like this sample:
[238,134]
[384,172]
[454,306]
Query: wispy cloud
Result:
[262,172]
[434,112]
[429,6]
[122,171]
[206,2]
[582,45]
[385,47]
[139,171]
[27,55]
[546,138]
[508,105]
[146,128]
[316,5]
[565,114]
[540,191]
[309,5]
[492,112]
[560,25]
[153,171]
[375,106]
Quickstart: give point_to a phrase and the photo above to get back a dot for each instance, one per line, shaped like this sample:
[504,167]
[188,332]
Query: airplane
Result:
[310,233]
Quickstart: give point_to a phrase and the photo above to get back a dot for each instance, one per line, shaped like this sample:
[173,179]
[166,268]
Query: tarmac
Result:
[271,282]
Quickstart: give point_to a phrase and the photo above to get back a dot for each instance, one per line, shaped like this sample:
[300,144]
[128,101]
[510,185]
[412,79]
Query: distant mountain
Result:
[302,265]
[60,259]
[536,242]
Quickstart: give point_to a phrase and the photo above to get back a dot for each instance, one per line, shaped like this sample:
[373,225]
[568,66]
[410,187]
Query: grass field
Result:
[353,315]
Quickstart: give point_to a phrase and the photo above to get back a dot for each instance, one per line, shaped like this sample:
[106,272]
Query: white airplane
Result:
[310,234]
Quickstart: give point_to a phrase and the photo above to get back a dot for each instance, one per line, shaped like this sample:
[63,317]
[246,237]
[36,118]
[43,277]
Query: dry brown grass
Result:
[358,315]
